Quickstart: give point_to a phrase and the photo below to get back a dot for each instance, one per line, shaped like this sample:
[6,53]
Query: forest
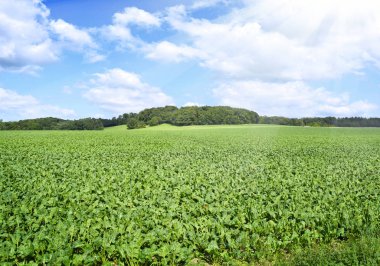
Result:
[51,123]
[185,116]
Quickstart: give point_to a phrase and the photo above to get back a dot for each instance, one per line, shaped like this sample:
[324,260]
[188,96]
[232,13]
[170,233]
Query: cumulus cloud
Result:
[120,32]
[24,36]
[27,106]
[72,38]
[292,99]
[29,39]
[120,91]
[12,100]
[134,15]
[291,40]
[71,34]
[169,52]
[267,50]
[189,104]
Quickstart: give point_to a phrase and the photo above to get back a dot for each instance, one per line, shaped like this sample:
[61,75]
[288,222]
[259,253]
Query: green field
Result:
[169,195]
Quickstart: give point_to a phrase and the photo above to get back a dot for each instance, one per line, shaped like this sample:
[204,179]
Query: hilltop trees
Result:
[81,124]
[194,115]
[321,121]
[51,123]
[155,121]
[163,114]
[186,116]
[134,123]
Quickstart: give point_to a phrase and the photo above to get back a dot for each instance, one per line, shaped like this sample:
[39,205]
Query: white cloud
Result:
[119,31]
[292,99]
[47,110]
[188,104]
[26,106]
[283,39]
[92,56]
[72,38]
[29,39]
[133,15]
[12,100]
[71,34]
[266,50]
[99,116]
[24,36]
[120,91]
[169,52]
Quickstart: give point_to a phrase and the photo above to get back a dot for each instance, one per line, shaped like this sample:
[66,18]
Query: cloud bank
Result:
[27,106]
[120,91]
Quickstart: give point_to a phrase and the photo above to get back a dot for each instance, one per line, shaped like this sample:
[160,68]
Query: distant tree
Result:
[65,125]
[165,114]
[186,116]
[315,124]
[89,124]
[134,123]
[81,124]
[120,120]
[155,121]
[231,119]
[296,122]
[278,120]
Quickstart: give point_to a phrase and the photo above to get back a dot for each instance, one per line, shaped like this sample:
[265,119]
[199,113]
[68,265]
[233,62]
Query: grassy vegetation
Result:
[185,195]
[364,250]
[122,128]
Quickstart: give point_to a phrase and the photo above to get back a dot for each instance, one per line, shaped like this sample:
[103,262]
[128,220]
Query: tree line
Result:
[217,115]
[321,121]
[51,123]
[185,116]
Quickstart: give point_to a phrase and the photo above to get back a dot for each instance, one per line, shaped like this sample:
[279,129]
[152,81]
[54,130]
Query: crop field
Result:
[167,195]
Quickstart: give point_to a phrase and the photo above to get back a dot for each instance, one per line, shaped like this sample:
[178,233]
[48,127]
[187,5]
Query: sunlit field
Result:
[190,195]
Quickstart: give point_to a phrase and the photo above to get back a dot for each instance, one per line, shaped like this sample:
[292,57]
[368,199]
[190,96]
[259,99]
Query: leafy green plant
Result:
[222,194]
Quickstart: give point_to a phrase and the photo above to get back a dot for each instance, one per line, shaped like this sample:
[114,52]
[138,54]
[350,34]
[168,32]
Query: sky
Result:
[94,58]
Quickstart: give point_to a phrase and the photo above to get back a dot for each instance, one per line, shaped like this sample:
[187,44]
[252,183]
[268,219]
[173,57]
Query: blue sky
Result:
[96,58]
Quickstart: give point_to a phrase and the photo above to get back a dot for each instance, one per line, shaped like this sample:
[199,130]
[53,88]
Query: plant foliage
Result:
[213,194]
